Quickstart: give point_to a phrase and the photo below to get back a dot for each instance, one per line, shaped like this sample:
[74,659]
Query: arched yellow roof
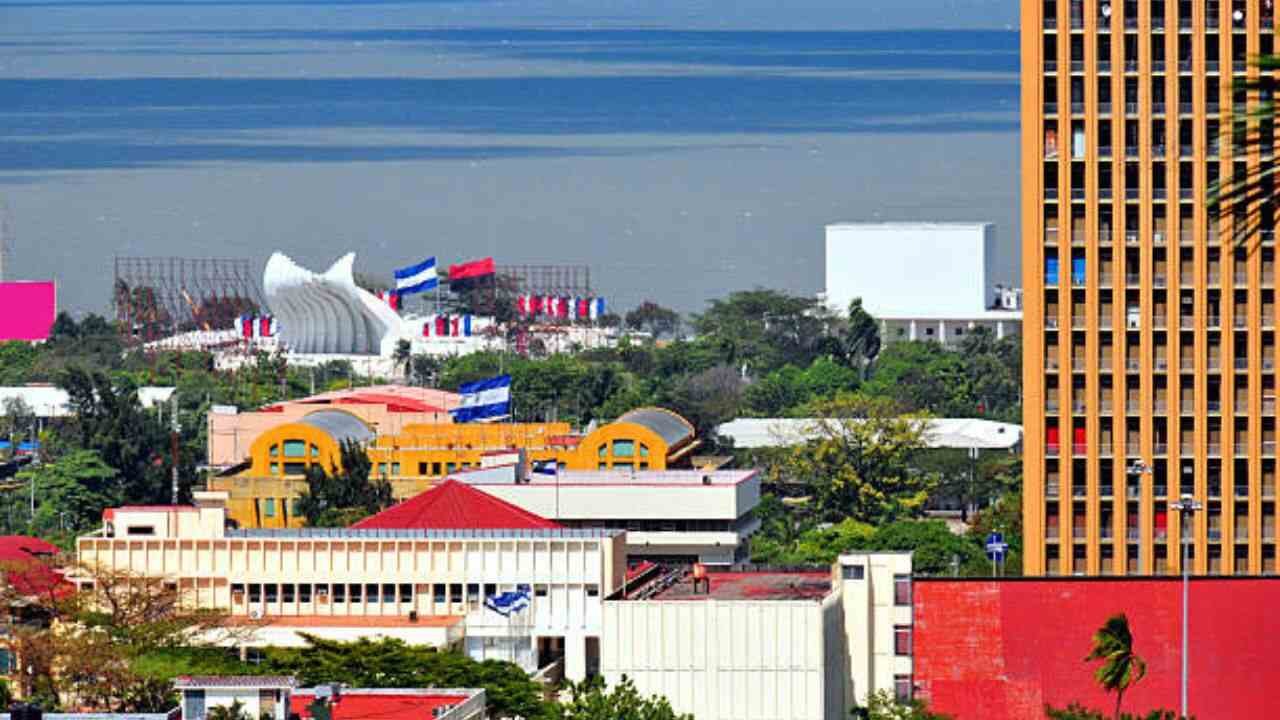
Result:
[673,429]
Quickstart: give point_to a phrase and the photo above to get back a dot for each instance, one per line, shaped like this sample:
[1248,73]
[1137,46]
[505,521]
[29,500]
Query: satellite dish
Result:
[1106,10]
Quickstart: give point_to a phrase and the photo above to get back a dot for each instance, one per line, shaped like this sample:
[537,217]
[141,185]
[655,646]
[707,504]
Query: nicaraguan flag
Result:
[417,278]
[484,400]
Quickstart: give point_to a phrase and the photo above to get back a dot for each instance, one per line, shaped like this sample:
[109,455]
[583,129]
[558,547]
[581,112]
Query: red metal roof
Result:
[453,505]
[377,705]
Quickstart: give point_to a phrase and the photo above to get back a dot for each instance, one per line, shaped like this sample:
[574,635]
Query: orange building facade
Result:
[264,494]
[1149,335]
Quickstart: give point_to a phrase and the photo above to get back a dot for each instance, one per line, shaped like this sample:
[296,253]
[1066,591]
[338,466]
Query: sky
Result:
[680,149]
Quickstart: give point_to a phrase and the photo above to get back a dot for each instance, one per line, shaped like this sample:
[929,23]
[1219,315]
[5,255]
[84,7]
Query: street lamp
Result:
[1185,506]
[1137,469]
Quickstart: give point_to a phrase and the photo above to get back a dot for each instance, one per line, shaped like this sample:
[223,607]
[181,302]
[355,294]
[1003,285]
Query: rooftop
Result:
[397,398]
[196,682]
[455,505]
[616,478]
[349,621]
[753,585]
[380,703]
[939,432]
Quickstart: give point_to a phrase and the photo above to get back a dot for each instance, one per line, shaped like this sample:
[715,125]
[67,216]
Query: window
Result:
[255,593]
[382,469]
[388,593]
[339,593]
[435,468]
[644,450]
[141,530]
[593,591]
[295,448]
[450,467]
[371,593]
[269,507]
[438,594]
[304,593]
[295,468]
[455,593]
[287,592]
[901,639]
[275,451]
[539,590]
[395,468]
[271,592]
[854,572]
[315,452]
[602,451]
[275,468]
[406,593]
[901,589]
[355,593]
[422,468]
[624,448]
[902,688]
[603,466]
[237,592]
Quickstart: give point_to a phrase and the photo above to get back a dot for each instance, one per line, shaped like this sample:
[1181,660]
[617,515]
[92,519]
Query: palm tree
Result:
[1121,667]
[402,355]
[1248,198]
[234,711]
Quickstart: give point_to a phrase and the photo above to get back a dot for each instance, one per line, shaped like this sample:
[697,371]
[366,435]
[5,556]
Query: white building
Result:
[423,586]
[680,515]
[959,433]
[923,281]
[761,645]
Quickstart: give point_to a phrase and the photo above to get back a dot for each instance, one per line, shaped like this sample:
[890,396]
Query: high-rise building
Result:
[1149,330]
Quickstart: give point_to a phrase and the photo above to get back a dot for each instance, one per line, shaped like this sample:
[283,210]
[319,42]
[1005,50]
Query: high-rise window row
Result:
[1150,343]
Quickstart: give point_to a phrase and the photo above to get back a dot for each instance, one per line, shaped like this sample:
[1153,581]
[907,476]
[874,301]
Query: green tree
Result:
[1076,711]
[882,705]
[766,329]
[71,492]
[347,494]
[402,355]
[234,711]
[592,700]
[861,460]
[861,336]
[651,317]
[393,664]
[1121,667]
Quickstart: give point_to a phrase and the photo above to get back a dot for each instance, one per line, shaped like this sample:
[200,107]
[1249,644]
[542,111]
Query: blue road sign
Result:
[996,547]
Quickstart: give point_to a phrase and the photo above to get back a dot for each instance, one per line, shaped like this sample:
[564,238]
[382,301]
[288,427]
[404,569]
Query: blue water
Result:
[680,164]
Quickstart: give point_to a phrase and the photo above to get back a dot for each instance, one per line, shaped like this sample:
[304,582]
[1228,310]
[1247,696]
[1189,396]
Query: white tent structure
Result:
[961,433]
[327,312]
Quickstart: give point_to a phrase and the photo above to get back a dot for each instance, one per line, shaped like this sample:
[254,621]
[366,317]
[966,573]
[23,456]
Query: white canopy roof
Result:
[941,432]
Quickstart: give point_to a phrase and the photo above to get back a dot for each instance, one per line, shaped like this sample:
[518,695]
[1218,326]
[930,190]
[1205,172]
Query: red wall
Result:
[990,650]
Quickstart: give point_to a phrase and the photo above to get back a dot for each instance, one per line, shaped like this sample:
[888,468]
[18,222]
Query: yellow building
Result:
[263,494]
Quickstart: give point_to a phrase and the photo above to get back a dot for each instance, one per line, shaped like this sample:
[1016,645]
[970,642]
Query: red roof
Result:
[453,505]
[375,705]
[22,559]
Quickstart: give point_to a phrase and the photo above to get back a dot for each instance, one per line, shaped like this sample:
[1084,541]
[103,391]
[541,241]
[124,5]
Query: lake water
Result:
[679,164]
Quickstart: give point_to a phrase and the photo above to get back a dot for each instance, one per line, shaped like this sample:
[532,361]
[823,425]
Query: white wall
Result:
[726,659]
[912,269]
[869,619]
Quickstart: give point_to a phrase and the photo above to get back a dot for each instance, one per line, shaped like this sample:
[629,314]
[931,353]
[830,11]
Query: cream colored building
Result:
[669,515]
[421,586]
[767,645]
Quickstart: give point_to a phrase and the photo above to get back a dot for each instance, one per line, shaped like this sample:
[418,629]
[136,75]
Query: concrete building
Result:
[421,573]
[766,645]
[279,698]
[386,409]
[923,281]
[1150,326]
[263,493]
[678,516]
[958,433]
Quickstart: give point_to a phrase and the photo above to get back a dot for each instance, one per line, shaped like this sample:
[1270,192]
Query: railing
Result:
[1268,448]
[433,534]
[1104,67]
[1187,407]
[1215,490]
[1132,193]
[1131,151]
[1079,449]
[1184,66]
[1077,239]
[1242,447]
[1240,66]
[1077,66]
[1241,363]
[1159,363]
[1159,406]
[1052,450]
[1185,150]
[1159,322]
[1157,66]
[1105,490]
[1051,108]
[1051,491]
[1214,406]
[1133,491]
[1268,489]
[1160,491]
[1050,66]
[1242,491]
[1211,66]
[1160,448]
[1077,107]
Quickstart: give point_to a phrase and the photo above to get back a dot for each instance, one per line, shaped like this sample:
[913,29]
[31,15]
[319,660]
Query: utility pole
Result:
[174,428]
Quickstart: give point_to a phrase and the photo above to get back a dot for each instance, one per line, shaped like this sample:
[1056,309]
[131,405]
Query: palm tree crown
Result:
[1121,667]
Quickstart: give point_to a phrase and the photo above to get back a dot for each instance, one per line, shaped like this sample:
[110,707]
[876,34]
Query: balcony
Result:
[1051,407]
[1213,407]
[1214,321]
[1186,322]
[1187,193]
[1105,491]
[1132,193]
[1159,321]
[1051,365]
[1132,407]
[1160,448]
[1131,237]
[1051,491]
[1240,67]
[1077,239]
[1051,193]
[1268,448]
[1157,66]
[1132,108]
[1242,448]
[1268,236]
[1187,407]
[1240,279]
[1051,108]
[1211,66]
[1078,323]
[1185,150]
[1077,107]
[1130,22]
[1104,279]
[1184,66]
[1268,406]
[1051,323]
[1132,278]
[1160,491]
[1159,280]
[1242,491]
[1159,407]
[1052,450]
[1213,108]
[1241,363]
[1079,449]
[1050,23]
[1104,151]
[1051,66]
[1160,363]
[1104,68]
[1133,492]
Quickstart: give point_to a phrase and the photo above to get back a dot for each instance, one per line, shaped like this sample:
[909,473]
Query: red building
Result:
[996,650]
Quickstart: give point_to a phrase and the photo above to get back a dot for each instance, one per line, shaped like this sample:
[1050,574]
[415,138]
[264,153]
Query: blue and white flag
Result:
[509,602]
[417,278]
[484,400]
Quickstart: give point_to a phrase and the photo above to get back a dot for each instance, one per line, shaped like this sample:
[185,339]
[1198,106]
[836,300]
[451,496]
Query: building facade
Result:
[264,493]
[923,281]
[669,515]
[1149,333]
[425,586]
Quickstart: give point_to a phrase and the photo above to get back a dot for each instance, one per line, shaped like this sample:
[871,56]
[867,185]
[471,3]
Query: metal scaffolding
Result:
[156,297]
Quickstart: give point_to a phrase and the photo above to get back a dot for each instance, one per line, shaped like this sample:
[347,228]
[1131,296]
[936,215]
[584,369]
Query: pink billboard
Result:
[27,310]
